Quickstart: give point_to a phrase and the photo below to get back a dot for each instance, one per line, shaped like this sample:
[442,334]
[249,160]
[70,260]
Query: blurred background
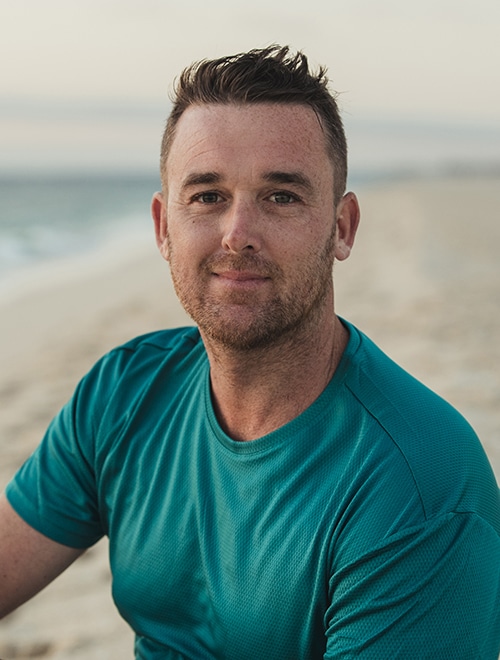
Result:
[84,94]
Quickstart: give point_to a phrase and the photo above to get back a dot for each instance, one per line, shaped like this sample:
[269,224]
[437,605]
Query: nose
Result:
[241,228]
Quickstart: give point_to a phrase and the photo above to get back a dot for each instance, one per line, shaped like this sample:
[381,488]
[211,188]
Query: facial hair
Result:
[297,300]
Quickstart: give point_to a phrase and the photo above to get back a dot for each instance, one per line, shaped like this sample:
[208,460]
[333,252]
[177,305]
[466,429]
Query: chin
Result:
[257,334]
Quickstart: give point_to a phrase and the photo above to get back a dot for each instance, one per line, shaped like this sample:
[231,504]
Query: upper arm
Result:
[428,592]
[28,560]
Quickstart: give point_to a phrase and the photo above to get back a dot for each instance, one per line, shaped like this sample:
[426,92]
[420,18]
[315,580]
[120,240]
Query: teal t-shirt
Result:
[368,527]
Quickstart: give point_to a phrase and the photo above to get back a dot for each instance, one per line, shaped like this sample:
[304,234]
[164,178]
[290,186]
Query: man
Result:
[272,485]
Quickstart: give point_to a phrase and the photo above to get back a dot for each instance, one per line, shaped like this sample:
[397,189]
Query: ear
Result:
[347,225]
[159,214]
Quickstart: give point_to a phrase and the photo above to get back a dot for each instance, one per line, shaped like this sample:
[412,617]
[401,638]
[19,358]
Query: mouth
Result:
[240,280]
[240,276]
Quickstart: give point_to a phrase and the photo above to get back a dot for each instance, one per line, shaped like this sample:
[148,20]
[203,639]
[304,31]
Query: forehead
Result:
[272,135]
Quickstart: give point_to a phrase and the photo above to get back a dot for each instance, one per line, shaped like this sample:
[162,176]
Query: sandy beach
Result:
[423,281]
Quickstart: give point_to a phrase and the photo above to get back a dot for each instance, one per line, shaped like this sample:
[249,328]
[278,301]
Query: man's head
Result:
[269,75]
[253,211]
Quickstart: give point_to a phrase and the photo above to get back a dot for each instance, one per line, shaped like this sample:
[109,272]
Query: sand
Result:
[423,281]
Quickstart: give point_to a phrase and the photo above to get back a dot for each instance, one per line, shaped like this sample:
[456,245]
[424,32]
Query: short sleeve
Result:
[55,490]
[60,490]
[431,591]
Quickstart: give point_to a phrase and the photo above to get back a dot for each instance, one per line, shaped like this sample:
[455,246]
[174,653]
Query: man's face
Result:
[248,221]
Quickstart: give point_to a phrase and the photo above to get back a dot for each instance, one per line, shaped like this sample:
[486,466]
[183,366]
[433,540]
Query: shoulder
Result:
[150,350]
[439,448]
[160,342]
[120,377]
[401,403]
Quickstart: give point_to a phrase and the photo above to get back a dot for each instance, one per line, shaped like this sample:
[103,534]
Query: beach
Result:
[423,281]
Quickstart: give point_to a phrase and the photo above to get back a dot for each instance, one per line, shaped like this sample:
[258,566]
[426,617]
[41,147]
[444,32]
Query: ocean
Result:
[49,215]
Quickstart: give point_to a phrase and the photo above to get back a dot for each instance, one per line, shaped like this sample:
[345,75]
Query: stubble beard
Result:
[279,319]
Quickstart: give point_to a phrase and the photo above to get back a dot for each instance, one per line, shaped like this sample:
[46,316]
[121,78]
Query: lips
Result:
[238,269]
[240,275]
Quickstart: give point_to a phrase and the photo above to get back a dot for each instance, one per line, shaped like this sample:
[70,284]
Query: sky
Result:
[85,83]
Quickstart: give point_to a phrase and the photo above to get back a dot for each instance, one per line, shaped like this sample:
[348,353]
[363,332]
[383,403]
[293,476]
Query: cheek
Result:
[309,242]
[188,245]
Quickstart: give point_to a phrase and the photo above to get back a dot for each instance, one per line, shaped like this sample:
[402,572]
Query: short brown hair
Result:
[267,75]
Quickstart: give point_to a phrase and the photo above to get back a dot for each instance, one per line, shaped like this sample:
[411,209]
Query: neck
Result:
[257,391]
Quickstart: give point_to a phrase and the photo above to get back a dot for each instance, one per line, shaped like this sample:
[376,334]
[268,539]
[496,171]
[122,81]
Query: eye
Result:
[209,197]
[282,197]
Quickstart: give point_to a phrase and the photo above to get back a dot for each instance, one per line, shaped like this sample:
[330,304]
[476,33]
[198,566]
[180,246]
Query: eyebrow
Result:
[276,176]
[297,178]
[201,178]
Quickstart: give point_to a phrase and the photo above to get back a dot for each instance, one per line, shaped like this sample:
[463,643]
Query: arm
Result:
[29,561]
[428,592]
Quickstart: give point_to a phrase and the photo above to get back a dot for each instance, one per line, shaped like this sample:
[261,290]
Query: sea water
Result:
[46,216]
